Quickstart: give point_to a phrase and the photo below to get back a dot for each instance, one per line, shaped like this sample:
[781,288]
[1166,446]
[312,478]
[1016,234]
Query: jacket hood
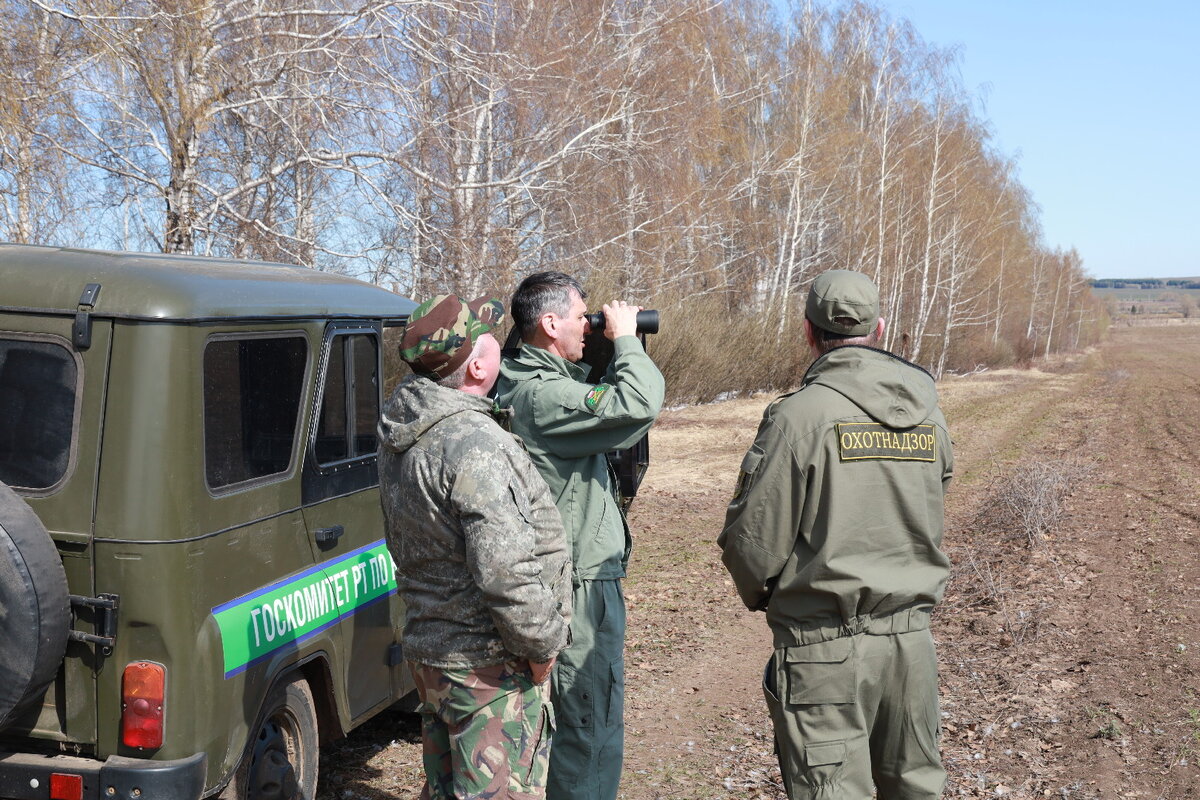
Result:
[887,388]
[416,405]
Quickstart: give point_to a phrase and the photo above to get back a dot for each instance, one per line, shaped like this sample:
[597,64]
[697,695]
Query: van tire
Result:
[280,762]
[35,607]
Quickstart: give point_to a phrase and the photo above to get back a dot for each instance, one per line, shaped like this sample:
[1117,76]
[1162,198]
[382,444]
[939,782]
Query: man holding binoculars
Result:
[568,425]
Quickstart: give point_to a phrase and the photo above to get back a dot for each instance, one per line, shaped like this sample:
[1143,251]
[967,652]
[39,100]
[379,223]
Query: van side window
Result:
[349,399]
[38,382]
[331,444]
[252,389]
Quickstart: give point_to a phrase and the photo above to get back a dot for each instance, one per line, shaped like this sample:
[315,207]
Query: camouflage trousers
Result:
[485,732]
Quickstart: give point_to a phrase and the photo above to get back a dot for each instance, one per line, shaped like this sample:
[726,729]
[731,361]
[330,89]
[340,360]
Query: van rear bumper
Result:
[26,776]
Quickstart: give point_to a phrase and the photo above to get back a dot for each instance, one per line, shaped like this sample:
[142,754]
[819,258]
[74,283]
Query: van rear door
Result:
[53,381]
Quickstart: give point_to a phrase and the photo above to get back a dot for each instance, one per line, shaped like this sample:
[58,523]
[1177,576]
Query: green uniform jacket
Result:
[836,524]
[568,425]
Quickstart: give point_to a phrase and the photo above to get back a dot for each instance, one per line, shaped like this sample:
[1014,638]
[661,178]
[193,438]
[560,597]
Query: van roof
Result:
[153,286]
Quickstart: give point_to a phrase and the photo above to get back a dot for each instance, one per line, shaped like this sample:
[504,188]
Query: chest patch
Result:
[593,397]
[862,441]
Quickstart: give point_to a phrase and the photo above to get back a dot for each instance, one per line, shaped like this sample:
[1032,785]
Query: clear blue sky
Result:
[1100,104]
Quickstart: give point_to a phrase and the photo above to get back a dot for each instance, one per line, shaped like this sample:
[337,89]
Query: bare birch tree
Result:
[40,197]
[164,77]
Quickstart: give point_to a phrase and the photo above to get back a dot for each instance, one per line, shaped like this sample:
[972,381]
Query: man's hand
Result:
[620,319]
[541,670]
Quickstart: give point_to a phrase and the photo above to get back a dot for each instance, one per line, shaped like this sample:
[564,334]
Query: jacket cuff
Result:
[623,344]
[544,656]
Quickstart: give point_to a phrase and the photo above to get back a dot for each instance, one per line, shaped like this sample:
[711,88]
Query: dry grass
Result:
[1030,498]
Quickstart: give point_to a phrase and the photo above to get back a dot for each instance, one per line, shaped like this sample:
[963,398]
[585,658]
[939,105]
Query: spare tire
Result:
[35,607]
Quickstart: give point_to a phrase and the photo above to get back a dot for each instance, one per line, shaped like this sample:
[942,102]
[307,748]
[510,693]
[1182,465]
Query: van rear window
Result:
[252,391]
[38,382]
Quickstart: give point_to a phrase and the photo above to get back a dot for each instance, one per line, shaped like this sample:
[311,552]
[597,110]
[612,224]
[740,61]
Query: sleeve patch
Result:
[746,473]
[592,400]
[870,441]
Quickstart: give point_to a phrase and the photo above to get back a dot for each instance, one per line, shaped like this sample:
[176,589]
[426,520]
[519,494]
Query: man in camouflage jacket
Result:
[481,561]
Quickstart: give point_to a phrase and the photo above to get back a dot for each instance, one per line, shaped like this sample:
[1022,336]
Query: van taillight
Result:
[142,690]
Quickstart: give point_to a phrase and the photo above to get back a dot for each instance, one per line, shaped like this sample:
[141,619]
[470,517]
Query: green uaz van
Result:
[194,585]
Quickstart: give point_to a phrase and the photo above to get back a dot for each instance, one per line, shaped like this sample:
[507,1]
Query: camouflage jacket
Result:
[836,522]
[481,560]
[568,425]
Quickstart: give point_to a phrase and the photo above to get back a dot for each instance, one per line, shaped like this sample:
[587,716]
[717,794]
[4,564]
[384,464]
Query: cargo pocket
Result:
[573,719]
[823,762]
[572,697]
[821,673]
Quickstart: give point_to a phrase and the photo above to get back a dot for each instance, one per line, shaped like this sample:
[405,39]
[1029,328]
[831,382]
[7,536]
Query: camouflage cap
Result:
[843,301]
[442,331]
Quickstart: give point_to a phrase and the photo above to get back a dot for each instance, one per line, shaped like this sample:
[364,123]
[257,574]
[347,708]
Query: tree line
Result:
[1144,283]
[706,157]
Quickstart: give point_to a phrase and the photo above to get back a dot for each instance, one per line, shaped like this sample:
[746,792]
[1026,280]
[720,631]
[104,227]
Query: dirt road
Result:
[1068,663]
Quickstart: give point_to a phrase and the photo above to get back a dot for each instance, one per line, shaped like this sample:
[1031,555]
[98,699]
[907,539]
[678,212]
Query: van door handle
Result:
[327,537]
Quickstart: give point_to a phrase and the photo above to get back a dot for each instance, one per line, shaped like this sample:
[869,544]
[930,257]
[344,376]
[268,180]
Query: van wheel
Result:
[35,607]
[281,760]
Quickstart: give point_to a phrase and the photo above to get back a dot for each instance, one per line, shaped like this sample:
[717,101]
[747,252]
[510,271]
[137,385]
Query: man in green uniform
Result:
[835,531]
[568,425]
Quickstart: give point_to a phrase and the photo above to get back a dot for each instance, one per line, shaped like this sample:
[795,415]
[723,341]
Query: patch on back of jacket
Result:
[862,441]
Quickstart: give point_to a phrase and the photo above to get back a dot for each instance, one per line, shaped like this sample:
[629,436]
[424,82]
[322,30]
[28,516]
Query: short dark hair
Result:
[540,293]
[828,340]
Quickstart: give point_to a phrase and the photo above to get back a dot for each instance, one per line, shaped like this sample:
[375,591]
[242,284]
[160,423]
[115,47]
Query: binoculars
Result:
[647,321]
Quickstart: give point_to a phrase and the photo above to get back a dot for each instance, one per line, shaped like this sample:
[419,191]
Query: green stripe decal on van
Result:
[285,613]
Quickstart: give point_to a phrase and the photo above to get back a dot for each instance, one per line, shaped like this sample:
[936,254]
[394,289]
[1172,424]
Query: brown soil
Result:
[1069,660]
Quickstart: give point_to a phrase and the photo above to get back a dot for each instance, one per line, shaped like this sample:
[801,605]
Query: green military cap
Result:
[843,301]
[442,331]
